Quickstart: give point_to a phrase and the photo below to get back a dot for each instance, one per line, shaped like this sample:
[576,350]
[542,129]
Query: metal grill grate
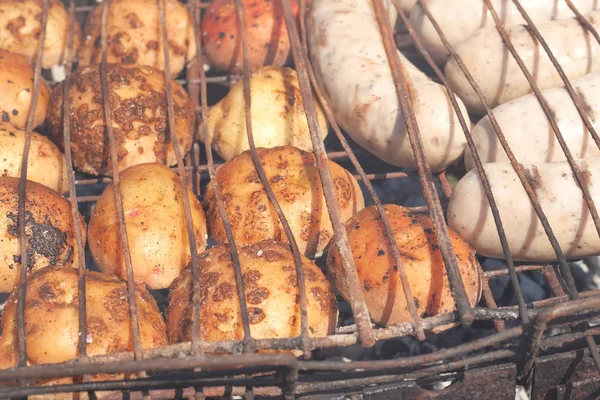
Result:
[200,374]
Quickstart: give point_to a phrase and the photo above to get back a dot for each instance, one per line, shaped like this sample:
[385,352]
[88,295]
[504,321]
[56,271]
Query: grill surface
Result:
[515,333]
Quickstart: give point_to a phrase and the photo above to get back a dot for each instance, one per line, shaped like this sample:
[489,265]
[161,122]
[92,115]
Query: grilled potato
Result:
[16,87]
[49,229]
[135,36]
[278,115]
[139,118]
[420,257]
[155,223]
[295,180]
[271,294]
[46,163]
[21,24]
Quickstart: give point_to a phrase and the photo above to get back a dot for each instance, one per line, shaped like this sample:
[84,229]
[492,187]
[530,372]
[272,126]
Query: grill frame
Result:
[533,320]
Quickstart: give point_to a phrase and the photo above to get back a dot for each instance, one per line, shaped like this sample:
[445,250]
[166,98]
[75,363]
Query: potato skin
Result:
[49,230]
[52,312]
[156,229]
[16,86]
[268,42]
[139,117]
[46,164]
[278,115]
[295,180]
[135,37]
[421,260]
[272,296]
[20,27]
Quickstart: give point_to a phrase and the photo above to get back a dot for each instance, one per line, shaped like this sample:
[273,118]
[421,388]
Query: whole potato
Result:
[272,296]
[295,180]
[135,36]
[20,27]
[49,230]
[421,259]
[139,118]
[278,115]
[268,42]
[155,221]
[46,163]
[16,86]
[52,321]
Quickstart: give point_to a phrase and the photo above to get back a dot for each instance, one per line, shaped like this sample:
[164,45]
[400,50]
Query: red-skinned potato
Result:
[421,259]
[156,228]
[52,322]
[268,42]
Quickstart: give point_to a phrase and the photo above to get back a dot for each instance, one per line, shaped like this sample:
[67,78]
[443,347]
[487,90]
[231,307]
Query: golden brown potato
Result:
[155,221]
[421,259]
[272,296]
[135,36]
[20,27]
[46,163]
[16,87]
[295,180]
[52,320]
[268,41]
[139,117]
[49,230]
[278,115]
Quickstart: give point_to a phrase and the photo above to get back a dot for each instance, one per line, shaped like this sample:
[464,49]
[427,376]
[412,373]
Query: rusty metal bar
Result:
[478,164]
[389,232]
[357,301]
[425,176]
[304,338]
[583,20]
[135,329]
[23,266]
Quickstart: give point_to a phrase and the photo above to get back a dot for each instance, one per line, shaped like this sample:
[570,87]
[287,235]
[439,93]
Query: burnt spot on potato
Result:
[255,315]
[15,25]
[322,297]
[224,291]
[258,295]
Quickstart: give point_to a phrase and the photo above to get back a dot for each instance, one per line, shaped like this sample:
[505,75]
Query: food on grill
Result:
[49,230]
[135,35]
[52,318]
[268,42]
[421,259]
[21,25]
[559,196]
[528,131]
[459,19]
[498,74]
[407,5]
[46,164]
[351,65]
[139,118]
[16,87]
[272,296]
[294,178]
[156,228]
[278,115]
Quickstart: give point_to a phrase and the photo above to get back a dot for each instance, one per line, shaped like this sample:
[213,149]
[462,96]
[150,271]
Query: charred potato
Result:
[49,229]
[139,118]
[46,163]
[21,24]
[52,320]
[272,296]
[16,86]
[278,115]
[135,36]
[421,260]
[295,180]
[156,229]
[268,42]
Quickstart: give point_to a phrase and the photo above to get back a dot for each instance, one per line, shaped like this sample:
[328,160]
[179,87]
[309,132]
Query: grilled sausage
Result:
[350,62]
[559,196]
[528,132]
[499,76]
[459,19]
